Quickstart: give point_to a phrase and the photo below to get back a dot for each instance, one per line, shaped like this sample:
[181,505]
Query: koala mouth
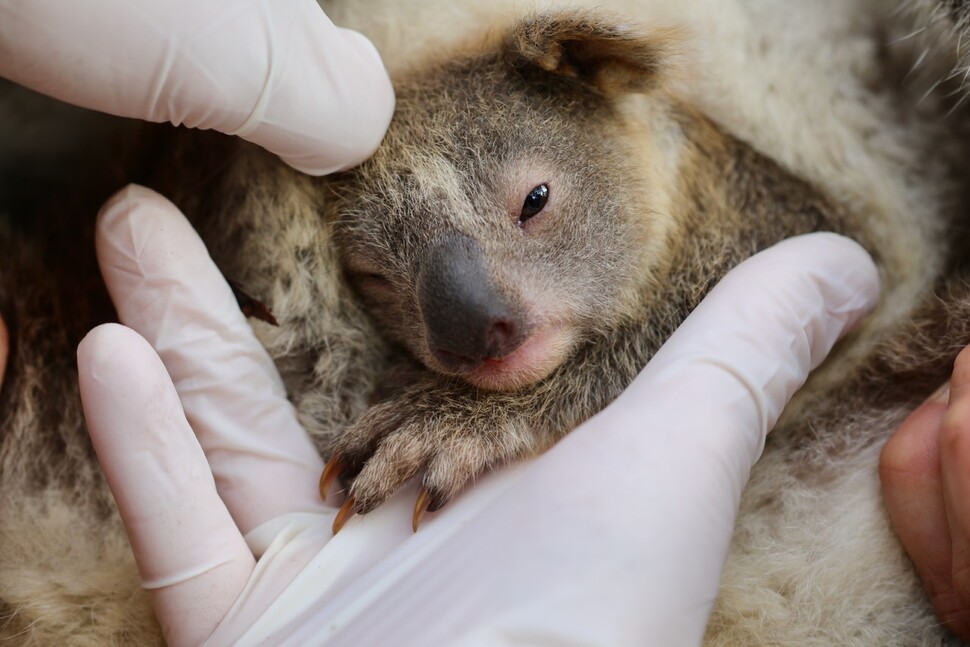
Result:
[535,358]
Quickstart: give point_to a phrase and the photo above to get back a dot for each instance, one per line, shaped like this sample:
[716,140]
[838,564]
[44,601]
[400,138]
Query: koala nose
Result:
[467,319]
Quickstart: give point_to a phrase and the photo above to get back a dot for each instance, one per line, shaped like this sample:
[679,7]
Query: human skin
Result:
[925,473]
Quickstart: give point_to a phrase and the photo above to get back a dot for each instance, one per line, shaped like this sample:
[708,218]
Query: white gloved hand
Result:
[278,74]
[539,553]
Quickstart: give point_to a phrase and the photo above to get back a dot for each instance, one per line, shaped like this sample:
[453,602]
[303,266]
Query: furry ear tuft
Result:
[610,56]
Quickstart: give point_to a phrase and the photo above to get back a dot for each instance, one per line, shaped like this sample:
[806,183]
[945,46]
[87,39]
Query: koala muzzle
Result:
[467,319]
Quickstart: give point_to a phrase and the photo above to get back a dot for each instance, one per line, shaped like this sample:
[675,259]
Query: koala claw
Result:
[331,472]
[345,512]
[444,437]
[420,506]
[428,501]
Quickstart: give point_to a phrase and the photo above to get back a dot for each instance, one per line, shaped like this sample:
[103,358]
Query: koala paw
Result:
[450,435]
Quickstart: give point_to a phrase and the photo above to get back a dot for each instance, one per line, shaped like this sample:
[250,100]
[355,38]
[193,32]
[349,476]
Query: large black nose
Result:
[466,317]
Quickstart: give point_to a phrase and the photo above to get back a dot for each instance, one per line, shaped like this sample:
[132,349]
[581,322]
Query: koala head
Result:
[501,223]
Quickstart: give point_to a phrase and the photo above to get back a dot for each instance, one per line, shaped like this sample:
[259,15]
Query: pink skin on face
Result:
[536,358]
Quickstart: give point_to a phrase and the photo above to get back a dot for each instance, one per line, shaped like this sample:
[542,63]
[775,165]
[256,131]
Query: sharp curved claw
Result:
[419,508]
[345,512]
[334,468]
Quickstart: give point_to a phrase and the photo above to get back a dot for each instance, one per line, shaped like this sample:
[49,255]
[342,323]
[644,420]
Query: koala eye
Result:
[368,281]
[372,278]
[534,202]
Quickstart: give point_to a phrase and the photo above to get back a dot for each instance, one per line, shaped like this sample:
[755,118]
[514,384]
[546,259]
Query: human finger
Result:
[166,287]
[191,556]
[954,441]
[912,486]
[278,74]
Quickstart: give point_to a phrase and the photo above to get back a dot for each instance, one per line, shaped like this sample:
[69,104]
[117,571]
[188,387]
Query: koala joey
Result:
[557,191]
[532,259]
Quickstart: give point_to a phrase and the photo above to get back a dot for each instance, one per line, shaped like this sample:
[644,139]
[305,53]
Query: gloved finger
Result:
[190,554]
[4,349]
[166,287]
[912,486]
[810,290]
[278,74]
[955,469]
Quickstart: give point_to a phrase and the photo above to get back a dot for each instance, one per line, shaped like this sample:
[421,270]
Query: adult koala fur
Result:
[673,140]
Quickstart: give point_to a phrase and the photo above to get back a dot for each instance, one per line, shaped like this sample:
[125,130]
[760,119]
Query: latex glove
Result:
[278,74]
[615,536]
[925,472]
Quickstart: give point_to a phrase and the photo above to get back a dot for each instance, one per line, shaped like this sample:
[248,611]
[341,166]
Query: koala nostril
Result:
[494,338]
[500,338]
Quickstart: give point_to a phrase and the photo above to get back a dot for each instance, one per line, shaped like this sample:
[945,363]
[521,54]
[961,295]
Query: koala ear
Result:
[598,50]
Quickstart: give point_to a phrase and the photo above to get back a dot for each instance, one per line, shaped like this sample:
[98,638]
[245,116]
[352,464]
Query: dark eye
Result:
[534,202]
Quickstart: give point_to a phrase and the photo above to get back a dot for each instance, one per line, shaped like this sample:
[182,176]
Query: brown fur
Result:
[652,202]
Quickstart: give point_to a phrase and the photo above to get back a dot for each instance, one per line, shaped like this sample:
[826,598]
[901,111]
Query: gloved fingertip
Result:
[92,347]
[108,354]
[123,383]
[147,250]
[126,202]
[119,204]
[361,106]
[850,276]
[823,283]
[375,106]
[847,283]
